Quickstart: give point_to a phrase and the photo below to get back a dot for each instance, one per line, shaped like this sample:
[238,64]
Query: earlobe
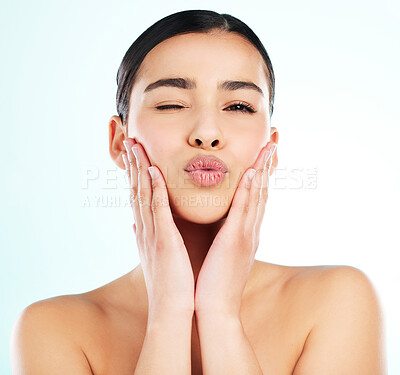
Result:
[117,133]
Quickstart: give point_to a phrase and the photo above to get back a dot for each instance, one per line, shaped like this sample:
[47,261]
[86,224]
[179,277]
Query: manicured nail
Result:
[126,144]
[153,172]
[250,174]
[128,153]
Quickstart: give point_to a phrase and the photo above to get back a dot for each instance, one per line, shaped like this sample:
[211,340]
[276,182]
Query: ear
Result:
[117,133]
[275,138]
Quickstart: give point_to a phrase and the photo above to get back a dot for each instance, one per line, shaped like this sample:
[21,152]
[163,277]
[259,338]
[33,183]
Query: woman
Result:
[195,96]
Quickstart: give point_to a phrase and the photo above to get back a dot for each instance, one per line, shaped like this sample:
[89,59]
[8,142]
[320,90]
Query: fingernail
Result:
[153,172]
[128,154]
[126,144]
[250,174]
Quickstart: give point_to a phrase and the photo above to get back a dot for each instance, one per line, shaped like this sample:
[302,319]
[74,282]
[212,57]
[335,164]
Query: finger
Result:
[258,191]
[241,199]
[133,173]
[127,167]
[253,200]
[264,190]
[128,143]
[253,193]
[260,161]
[162,215]
[144,194]
[239,208]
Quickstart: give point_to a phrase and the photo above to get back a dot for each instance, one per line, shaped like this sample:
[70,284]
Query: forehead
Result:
[206,56]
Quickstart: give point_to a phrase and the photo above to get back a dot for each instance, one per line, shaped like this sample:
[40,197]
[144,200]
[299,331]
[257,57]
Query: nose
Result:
[206,132]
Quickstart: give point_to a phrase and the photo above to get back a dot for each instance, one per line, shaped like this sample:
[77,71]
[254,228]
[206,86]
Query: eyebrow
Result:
[189,84]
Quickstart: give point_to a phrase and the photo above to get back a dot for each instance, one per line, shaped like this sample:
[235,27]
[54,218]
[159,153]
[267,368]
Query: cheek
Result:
[248,145]
[157,140]
[156,148]
[162,151]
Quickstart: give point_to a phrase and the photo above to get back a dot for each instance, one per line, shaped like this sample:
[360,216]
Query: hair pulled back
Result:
[184,22]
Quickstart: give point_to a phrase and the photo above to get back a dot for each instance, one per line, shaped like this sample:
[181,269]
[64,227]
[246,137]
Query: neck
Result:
[198,238]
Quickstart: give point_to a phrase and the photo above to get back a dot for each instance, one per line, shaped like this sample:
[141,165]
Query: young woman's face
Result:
[202,119]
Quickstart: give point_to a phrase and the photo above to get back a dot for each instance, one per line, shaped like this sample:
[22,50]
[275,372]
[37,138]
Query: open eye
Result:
[242,107]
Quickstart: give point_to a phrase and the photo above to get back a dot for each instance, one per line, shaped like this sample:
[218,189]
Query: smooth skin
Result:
[228,313]
[153,216]
[164,258]
[169,276]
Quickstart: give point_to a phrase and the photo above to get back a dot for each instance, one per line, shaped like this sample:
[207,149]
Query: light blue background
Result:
[337,111]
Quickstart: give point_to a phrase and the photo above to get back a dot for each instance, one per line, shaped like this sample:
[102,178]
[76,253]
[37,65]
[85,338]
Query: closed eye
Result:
[168,106]
[237,107]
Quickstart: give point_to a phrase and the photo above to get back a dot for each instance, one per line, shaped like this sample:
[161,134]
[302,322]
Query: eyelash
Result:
[248,107]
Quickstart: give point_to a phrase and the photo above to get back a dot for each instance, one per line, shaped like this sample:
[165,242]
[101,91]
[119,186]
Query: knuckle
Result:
[159,244]
[247,184]
[245,207]
[132,198]
[158,202]
[133,195]
[140,166]
[155,184]
[141,198]
[154,207]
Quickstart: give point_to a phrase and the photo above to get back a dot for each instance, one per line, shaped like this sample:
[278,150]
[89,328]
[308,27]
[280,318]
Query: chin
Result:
[200,208]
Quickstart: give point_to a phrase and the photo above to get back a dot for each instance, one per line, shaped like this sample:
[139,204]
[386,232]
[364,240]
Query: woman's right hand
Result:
[164,259]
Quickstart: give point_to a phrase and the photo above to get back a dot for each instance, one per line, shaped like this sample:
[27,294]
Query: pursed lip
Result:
[206,162]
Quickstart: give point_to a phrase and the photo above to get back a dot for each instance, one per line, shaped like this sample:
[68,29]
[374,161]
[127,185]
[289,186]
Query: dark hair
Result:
[188,21]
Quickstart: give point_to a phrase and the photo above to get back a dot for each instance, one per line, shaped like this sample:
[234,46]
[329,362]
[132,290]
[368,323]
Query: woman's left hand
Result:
[225,270]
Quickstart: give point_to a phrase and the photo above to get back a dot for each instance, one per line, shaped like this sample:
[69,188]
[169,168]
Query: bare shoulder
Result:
[45,337]
[65,312]
[79,333]
[328,279]
[346,318]
[333,287]
[324,283]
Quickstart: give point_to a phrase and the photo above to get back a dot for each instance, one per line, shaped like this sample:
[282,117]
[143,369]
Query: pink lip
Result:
[206,170]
